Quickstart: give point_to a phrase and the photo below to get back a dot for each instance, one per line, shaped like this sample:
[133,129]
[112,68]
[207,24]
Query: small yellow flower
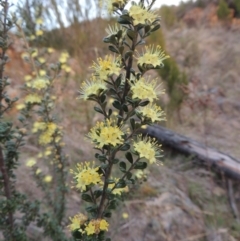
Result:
[39,21]
[42,72]
[113,30]
[31,162]
[141,15]
[27,77]
[38,126]
[25,55]
[32,37]
[106,67]
[33,98]
[92,87]
[77,221]
[40,83]
[47,178]
[151,56]
[34,53]
[41,60]
[152,111]
[96,225]
[145,89]
[86,175]
[50,50]
[20,106]
[38,171]
[63,57]
[39,32]
[125,215]
[141,174]
[106,133]
[147,148]
[48,152]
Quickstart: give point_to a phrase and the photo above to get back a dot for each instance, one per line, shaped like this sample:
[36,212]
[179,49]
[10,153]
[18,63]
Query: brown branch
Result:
[221,162]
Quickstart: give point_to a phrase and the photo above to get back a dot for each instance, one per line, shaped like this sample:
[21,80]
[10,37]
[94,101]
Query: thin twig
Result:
[232,200]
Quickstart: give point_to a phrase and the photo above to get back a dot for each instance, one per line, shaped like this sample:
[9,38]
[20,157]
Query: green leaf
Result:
[132,122]
[147,28]
[109,112]
[125,147]
[129,175]
[140,42]
[102,158]
[112,204]
[122,166]
[113,49]
[110,181]
[87,198]
[121,184]
[97,193]
[128,54]
[118,80]
[125,20]
[131,34]
[119,34]
[125,108]
[155,28]
[97,109]
[102,98]
[115,161]
[92,210]
[144,103]
[140,165]
[117,105]
[129,157]
[107,214]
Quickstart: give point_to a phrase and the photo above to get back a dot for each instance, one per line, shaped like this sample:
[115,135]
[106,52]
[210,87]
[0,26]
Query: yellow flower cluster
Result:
[64,57]
[39,83]
[147,148]
[47,128]
[152,111]
[107,67]
[86,175]
[145,89]
[92,87]
[31,162]
[33,98]
[141,15]
[95,226]
[106,133]
[77,221]
[151,56]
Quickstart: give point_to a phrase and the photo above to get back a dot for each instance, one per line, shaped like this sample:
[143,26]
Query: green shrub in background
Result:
[237,8]
[223,11]
[174,78]
[168,16]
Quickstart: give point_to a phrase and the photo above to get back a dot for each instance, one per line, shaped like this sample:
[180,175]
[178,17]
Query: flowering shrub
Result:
[125,97]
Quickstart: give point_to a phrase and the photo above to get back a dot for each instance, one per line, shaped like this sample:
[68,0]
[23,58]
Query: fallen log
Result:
[223,163]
